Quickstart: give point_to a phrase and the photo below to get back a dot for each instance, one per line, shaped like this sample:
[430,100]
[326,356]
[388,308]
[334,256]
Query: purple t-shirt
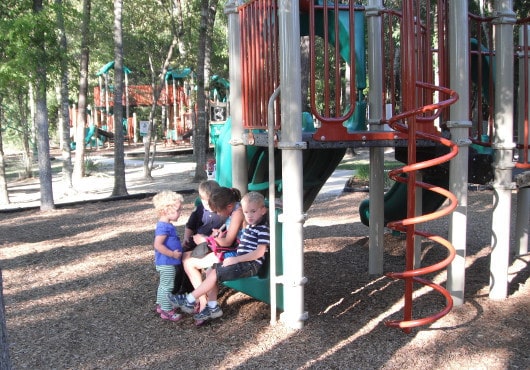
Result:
[172,242]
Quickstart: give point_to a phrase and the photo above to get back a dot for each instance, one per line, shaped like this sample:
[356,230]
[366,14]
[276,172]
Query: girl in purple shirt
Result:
[168,250]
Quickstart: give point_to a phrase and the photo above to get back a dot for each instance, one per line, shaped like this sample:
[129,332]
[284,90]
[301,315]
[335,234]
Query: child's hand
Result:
[176,254]
[218,232]
[198,238]
[229,261]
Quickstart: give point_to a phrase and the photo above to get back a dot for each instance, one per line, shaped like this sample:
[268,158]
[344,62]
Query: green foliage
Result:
[90,165]
[362,172]
[522,8]
[148,29]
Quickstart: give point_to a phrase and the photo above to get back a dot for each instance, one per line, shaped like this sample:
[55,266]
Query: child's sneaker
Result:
[158,309]
[209,313]
[216,312]
[170,315]
[180,301]
[176,300]
[188,307]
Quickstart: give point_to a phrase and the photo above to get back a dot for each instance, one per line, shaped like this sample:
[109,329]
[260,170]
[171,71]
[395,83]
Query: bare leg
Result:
[193,267]
[208,286]
[213,293]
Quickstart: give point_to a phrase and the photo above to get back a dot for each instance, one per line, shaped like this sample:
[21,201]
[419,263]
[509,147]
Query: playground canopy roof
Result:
[220,80]
[178,74]
[110,65]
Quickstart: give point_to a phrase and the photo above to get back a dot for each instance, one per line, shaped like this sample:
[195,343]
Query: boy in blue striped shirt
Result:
[250,256]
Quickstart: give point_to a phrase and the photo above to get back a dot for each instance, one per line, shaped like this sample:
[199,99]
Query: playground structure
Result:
[176,100]
[421,102]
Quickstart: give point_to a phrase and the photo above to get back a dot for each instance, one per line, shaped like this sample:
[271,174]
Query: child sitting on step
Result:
[250,256]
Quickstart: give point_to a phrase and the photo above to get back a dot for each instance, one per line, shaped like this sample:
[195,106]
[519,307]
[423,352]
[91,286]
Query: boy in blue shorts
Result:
[250,256]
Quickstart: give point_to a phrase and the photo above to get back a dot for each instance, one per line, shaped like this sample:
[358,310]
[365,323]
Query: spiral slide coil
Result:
[408,225]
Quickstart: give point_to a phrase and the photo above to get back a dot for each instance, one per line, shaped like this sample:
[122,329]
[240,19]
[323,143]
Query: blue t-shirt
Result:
[172,242]
[239,233]
[229,219]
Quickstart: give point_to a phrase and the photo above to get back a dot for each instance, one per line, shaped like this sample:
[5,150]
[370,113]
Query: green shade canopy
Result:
[220,80]
[178,74]
[110,65]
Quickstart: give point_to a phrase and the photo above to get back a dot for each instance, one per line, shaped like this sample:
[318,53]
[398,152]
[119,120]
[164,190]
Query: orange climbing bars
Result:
[259,61]
[336,107]
[422,53]
[405,122]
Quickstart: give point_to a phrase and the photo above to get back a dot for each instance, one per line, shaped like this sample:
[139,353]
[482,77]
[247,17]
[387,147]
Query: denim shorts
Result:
[237,271]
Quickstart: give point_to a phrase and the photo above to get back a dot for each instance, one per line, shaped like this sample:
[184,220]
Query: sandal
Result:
[170,315]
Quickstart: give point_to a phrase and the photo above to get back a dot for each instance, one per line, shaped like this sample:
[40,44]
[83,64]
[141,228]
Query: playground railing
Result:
[259,61]
[482,84]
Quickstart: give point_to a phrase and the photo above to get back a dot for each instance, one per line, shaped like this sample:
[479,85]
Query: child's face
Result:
[225,212]
[253,211]
[204,201]
[173,212]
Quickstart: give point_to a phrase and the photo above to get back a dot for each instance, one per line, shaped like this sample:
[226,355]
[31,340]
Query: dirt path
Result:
[174,172]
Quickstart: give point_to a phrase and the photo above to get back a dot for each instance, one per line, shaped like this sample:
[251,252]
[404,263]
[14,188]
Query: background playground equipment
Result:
[308,154]
[175,100]
[97,136]
[219,93]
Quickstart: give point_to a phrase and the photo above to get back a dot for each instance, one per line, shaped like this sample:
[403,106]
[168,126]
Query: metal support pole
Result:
[459,128]
[419,211]
[292,168]
[375,102]
[523,179]
[272,205]
[239,153]
[523,109]
[503,146]
[523,213]
[126,76]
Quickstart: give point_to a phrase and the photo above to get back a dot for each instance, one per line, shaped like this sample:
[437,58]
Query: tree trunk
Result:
[200,139]
[4,196]
[120,187]
[157,89]
[41,119]
[148,138]
[64,113]
[28,139]
[79,163]
[212,12]
[5,361]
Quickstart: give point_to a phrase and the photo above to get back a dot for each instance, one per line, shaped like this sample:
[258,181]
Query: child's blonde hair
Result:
[254,197]
[166,199]
[207,187]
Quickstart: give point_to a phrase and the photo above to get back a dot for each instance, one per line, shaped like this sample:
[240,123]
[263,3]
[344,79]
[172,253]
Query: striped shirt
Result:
[252,236]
